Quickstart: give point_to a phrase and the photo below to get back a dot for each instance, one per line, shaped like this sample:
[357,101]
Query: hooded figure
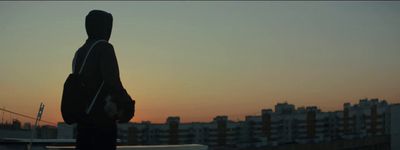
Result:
[99,25]
[97,130]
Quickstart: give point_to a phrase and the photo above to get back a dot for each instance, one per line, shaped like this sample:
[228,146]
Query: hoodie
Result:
[101,65]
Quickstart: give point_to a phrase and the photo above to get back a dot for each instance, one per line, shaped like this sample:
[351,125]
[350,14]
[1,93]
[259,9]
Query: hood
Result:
[98,25]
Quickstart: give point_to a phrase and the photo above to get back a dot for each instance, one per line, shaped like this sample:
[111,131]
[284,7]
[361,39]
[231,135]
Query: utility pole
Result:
[2,116]
[11,119]
[38,118]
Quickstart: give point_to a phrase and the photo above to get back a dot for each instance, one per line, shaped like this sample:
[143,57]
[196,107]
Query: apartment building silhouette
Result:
[368,123]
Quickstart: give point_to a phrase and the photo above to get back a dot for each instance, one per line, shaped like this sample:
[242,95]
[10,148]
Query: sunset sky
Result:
[197,60]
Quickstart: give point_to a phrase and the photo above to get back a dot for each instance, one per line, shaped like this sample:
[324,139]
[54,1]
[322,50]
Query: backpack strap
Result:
[94,98]
[80,72]
[87,54]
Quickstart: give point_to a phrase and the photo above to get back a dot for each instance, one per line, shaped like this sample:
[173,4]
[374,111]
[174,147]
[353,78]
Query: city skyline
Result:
[235,119]
[370,123]
[202,59]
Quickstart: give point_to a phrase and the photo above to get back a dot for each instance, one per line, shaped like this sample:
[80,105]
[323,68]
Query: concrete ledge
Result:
[144,147]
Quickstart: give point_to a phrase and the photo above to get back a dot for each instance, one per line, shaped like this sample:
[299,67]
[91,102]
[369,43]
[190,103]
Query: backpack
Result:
[125,106]
[75,94]
[126,111]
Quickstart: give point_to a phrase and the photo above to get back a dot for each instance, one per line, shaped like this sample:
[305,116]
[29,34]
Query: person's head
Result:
[99,25]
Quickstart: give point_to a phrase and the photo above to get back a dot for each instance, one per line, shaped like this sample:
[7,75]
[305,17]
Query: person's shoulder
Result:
[106,48]
[80,49]
[106,45]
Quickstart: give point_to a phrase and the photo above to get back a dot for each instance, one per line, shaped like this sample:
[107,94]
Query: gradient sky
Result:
[202,59]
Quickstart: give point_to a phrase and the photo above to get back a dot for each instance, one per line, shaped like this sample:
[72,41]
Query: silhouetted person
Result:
[99,128]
